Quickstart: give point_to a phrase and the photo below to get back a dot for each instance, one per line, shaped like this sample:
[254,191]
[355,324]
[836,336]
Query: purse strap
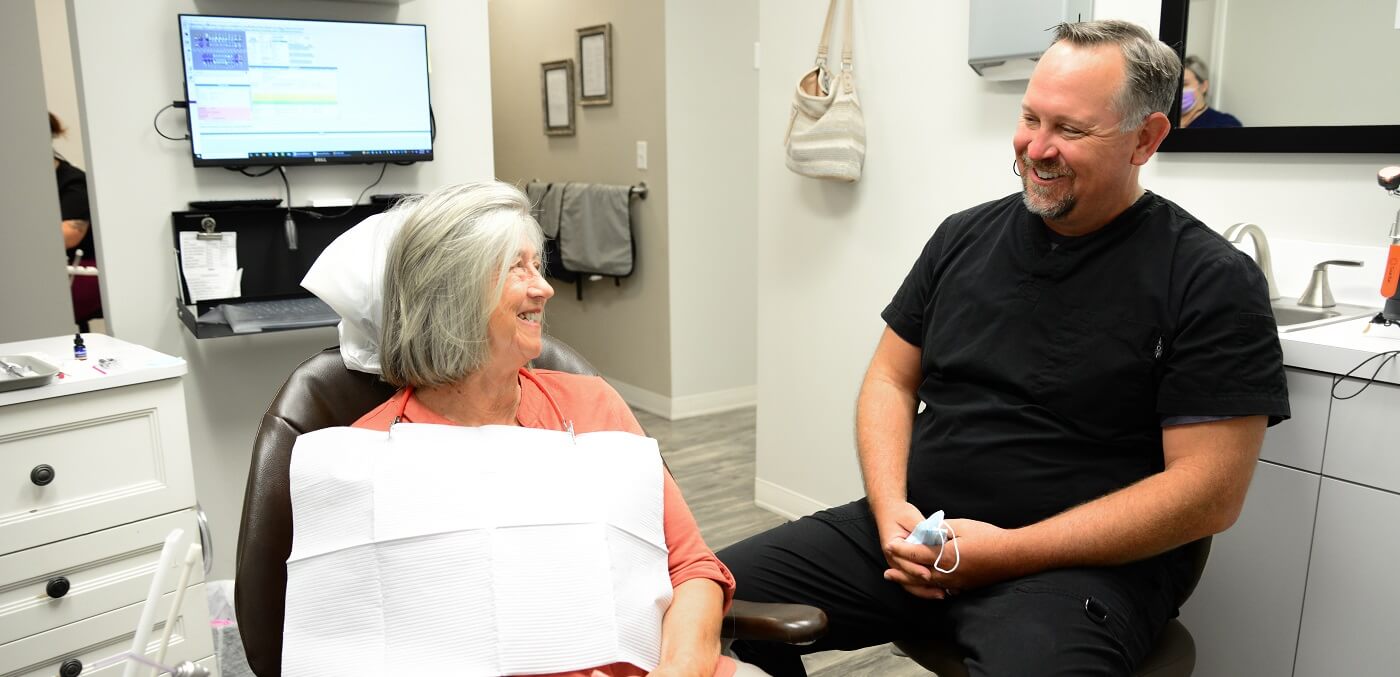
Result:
[826,34]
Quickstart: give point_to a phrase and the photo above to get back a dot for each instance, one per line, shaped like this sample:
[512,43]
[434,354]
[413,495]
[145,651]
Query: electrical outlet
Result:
[641,155]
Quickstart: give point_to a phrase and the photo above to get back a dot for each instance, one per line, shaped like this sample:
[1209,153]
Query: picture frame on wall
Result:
[595,65]
[557,95]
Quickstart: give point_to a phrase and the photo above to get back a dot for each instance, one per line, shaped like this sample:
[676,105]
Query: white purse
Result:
[826,134]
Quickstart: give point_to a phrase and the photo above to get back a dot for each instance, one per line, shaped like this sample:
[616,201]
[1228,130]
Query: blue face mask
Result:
[1188,99]
[934,532]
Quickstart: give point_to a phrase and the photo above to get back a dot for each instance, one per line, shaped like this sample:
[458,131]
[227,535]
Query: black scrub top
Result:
[73,203]
[1047,370]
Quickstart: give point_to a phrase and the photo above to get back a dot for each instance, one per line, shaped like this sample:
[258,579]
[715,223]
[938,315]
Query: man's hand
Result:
[984,554]
[895,521]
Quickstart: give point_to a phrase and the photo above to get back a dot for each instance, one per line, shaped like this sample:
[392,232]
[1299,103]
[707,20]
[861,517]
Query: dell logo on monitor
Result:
[319,159]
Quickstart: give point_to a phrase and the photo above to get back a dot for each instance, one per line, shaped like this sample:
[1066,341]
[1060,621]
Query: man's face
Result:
[1077,168]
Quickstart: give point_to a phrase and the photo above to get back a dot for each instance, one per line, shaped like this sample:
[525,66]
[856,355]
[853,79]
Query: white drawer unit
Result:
[87,462]
[93,639]
[94,474]
[52,585]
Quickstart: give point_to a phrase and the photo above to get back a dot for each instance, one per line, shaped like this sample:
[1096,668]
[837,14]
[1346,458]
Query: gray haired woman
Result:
[463,302]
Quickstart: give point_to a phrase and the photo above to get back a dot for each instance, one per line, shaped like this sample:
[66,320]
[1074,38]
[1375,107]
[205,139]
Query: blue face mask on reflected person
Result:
[1188,99]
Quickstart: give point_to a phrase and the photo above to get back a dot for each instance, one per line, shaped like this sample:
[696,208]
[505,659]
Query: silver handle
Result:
[1319,292]
[1339,262]
[206,539]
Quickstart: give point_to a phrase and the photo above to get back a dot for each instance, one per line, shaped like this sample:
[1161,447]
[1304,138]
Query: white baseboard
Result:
[641,398]
[784,501]
[713,402]
[686,406]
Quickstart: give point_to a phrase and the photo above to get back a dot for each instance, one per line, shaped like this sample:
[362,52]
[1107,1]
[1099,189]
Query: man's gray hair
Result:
[443,277]
[1153,70]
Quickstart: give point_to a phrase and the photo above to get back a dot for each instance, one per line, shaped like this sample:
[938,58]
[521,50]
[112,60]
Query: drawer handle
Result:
[42,474]
[70,668]
[57,587]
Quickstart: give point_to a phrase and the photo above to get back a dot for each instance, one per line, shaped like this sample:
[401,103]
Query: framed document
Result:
[595,65]
[557,92]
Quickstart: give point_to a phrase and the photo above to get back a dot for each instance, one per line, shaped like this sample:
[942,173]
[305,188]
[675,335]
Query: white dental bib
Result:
[437,549]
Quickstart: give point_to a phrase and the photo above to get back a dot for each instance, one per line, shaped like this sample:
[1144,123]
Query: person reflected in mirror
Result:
[78,244]
[1195,112]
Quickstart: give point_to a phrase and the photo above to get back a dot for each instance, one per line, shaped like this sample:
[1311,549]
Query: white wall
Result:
[127,67]
[831,256]
[1289,62]
[711,131]
[60,92]
[34,298]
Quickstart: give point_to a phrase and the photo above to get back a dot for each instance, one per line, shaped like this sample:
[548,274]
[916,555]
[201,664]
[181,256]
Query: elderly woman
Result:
[464,299]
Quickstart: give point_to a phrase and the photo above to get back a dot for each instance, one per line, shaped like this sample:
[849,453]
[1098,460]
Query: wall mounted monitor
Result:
[267,91]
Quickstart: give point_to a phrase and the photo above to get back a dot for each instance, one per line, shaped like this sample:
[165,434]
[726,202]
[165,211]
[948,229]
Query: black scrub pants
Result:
[1082,622]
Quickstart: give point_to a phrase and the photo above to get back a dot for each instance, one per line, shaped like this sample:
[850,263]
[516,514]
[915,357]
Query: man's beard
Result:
[1038,199]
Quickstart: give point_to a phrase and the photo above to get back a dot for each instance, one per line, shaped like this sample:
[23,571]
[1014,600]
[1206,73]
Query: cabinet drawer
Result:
[93,639]
[105,570]
[1298,442]
[117,456]
[1361,446]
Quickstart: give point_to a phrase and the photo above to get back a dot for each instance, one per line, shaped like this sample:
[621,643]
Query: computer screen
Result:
[294,91]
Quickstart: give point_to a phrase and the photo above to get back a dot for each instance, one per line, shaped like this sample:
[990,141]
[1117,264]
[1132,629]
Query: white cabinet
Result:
[1304,583]
[1244,614]
[94,473]
[1351,620]
[1362,446]
[114,456]
[1298,442]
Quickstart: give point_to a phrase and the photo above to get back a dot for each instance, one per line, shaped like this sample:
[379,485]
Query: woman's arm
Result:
[73,232]
[690,630]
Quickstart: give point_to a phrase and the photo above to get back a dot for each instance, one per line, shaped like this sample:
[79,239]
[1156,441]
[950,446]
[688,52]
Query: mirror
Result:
[1278,66]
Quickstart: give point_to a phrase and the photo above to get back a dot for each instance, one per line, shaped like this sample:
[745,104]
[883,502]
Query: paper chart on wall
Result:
[593,65]
[210,267]
[556,84]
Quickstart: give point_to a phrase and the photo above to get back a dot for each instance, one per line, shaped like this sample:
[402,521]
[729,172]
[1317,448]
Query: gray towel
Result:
[595,229]
[549,208]
[535,192]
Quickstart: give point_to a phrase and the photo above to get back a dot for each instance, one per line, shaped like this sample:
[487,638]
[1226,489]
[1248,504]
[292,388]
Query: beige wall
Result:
[625,331]
[33,287]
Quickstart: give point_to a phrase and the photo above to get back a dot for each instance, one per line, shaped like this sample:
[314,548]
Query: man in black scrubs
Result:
[1080,374]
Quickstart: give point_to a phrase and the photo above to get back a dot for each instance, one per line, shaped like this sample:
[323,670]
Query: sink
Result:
[1293,317]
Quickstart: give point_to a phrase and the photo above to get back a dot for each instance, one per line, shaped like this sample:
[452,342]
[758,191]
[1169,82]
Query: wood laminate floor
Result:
[712,459]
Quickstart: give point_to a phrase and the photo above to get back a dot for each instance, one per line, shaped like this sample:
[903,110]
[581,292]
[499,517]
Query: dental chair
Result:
[321,393]
[1174,655]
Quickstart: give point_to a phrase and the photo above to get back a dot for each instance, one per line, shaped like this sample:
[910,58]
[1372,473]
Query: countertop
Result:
[134,364]
[1340,347]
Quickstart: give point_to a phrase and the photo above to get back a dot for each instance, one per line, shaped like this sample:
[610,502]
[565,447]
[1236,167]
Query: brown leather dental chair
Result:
[321,393]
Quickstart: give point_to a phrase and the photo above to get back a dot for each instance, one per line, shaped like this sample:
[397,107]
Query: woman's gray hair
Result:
[1153,69]
[1197,67]
[443,277]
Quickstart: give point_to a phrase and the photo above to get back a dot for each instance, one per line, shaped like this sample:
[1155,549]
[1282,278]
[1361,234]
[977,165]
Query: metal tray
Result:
[36,372]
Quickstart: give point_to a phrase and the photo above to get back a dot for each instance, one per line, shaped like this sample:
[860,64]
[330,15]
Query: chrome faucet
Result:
[1237,232]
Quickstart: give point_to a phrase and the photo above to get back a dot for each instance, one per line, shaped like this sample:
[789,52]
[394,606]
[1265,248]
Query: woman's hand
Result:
[690,630]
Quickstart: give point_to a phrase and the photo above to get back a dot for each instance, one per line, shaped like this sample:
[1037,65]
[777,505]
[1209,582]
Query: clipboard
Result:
[271,270]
